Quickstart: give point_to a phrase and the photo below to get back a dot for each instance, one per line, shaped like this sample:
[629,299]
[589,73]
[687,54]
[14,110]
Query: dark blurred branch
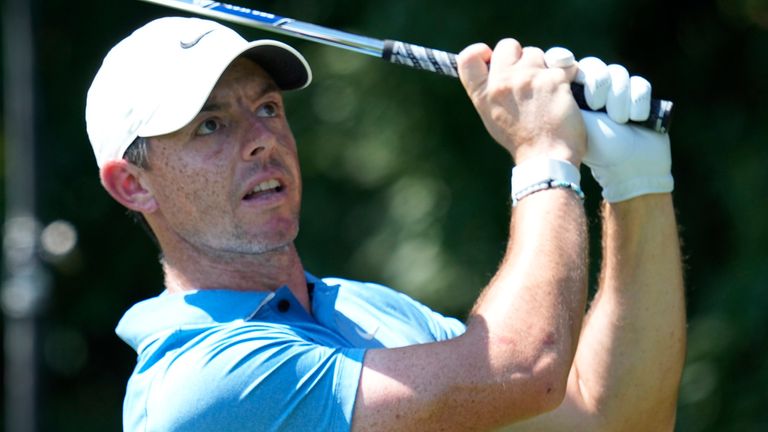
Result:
[25,284]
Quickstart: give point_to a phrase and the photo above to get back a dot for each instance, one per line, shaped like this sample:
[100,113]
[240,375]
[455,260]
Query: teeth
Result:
[267,185]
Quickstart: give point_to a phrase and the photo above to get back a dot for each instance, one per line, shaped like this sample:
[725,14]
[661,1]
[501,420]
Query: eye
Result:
[208,127]
[269,109]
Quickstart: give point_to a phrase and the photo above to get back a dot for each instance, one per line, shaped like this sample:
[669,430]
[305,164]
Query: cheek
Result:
[189,187]
[211,151]
[290,149]
[295,167]
[184,180]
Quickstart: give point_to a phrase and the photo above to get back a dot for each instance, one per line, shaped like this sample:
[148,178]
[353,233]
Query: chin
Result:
[277,242]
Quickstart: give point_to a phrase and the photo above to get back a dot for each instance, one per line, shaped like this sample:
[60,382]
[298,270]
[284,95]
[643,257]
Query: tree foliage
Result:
[404,187]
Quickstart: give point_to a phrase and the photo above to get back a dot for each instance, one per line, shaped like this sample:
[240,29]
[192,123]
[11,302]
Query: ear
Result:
[125,183]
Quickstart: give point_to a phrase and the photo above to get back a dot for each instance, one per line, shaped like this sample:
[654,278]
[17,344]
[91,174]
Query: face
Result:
[229,182]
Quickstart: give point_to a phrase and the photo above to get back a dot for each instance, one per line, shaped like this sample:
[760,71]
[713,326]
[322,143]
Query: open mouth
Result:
[264,189]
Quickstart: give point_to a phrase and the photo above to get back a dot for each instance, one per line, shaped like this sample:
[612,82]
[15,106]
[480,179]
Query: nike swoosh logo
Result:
[187,45]
[365,335]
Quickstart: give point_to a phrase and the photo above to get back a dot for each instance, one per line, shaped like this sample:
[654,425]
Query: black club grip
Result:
[444,63]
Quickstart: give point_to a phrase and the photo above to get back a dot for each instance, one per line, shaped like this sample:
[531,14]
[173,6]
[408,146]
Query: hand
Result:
[627,161]
[527,107]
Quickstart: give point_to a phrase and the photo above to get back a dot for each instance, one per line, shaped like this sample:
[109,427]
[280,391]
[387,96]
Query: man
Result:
[189,130]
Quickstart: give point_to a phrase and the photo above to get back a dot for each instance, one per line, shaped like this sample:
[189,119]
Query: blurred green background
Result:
[404,187]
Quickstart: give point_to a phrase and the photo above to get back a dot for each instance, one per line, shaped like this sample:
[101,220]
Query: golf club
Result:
[415,56]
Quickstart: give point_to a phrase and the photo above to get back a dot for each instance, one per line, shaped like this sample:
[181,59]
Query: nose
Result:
[258,140]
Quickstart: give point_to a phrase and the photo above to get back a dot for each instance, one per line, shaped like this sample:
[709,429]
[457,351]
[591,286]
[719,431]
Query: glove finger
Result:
[593,74]
[640,96]
[559,57]
[617,104]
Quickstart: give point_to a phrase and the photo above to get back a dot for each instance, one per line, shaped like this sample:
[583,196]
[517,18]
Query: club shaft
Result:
[278,24]
[411,55]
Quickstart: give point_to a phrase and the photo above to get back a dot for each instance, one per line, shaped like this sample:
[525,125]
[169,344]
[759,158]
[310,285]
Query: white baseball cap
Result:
[156,80]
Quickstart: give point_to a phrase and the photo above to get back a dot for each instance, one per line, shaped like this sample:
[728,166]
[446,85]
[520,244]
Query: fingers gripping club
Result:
[441,62]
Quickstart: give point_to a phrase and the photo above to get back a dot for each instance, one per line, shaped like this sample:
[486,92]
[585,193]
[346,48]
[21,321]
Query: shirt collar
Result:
[147,320]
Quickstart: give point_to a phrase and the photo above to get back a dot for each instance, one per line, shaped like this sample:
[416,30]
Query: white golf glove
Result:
[627,161]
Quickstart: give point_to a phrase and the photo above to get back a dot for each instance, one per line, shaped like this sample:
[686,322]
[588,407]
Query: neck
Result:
[267,271]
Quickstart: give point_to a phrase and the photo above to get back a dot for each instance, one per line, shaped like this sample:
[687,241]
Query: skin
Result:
[193,196]
[631,353]
[521,360]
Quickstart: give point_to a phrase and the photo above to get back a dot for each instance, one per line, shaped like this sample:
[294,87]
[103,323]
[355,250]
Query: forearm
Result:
[632,347]
[529,316]
[513,361]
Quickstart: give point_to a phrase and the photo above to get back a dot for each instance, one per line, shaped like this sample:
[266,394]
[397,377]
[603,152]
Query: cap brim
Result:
[282,62]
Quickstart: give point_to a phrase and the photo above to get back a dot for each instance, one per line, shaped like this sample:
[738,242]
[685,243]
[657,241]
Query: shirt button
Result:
[283,305]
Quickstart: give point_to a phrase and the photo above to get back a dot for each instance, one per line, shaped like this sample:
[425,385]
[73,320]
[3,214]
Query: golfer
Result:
[188,125]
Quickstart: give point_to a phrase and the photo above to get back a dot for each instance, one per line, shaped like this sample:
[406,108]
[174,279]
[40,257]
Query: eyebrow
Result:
[213,105]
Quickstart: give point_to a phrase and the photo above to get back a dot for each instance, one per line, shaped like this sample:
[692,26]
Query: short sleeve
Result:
[441,326]
[253,376]
[395,318]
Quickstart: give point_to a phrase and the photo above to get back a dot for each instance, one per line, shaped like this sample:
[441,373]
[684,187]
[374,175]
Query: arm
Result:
[637,321]
[631,351]
[513,361]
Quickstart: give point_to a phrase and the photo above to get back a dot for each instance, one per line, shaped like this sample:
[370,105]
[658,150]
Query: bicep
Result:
[448,386]
[401,388]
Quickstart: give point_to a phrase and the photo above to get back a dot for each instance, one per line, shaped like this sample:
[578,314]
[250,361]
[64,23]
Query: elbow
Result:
[548,382]
[553,362]
[527,375]
[548,369]
[539,384]
[501,383]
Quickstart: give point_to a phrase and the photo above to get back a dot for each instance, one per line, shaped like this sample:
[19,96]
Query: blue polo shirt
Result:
[221,360]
